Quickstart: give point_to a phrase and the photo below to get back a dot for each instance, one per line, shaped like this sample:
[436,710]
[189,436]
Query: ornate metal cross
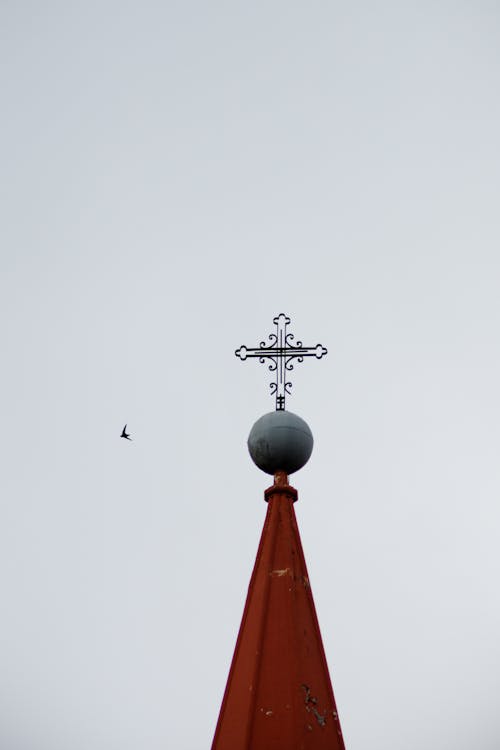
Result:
[281,352]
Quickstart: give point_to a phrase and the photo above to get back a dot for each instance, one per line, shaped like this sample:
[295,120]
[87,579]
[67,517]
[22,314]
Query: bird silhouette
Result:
[124,434]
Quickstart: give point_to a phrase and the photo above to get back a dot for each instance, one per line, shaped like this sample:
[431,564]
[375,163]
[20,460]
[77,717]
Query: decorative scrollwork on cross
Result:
[281,352]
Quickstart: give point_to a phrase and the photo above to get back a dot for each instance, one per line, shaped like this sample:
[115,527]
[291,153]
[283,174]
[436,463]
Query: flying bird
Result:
[125,434]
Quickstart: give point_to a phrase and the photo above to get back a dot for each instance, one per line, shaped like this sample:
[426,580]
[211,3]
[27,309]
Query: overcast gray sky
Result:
[174,175]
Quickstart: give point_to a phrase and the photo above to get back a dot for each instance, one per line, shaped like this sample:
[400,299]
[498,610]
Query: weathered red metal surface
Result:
[279,694]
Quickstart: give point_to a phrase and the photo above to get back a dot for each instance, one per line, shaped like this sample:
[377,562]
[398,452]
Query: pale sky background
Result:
[174,175]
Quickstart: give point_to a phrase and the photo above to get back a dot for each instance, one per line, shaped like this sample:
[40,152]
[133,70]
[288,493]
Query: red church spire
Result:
[279,694]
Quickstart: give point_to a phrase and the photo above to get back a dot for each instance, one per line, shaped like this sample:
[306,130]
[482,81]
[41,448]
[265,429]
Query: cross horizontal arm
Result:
[285,351]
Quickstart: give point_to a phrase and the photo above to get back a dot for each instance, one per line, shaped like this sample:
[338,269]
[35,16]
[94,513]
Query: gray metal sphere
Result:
[280,441]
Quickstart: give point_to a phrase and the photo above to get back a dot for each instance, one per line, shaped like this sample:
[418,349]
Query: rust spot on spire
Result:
[281,479]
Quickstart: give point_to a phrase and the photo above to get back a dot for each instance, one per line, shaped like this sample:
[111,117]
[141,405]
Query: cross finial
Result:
[281,351]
